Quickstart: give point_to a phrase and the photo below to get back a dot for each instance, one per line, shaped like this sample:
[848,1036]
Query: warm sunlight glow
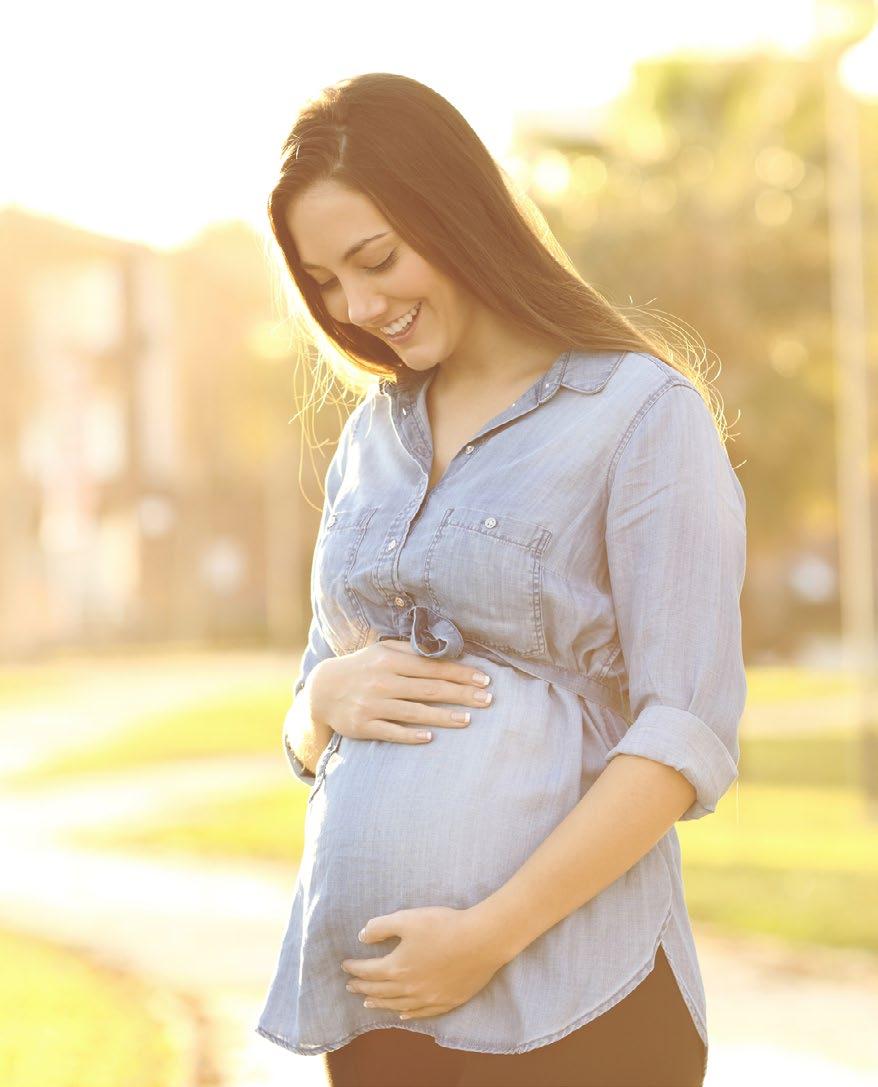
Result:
[161,120]
[859,68]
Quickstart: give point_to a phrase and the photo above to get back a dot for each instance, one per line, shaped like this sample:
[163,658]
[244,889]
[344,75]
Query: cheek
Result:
[337,308]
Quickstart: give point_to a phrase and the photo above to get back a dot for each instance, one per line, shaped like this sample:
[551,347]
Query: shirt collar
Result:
[585,371]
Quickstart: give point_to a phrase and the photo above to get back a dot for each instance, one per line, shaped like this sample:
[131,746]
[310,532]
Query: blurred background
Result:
[160,494]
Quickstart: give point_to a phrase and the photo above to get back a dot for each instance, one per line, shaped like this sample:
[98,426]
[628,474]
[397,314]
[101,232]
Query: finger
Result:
[394,1004]
[416,664]
[370,969]
[431,689]
[396,733]
[389,990]
[419,713]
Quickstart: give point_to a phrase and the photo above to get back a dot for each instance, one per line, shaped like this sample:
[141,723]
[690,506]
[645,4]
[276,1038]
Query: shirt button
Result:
[398,600]
[469,449]
[405,411]
[490,522]
[331,520]
[391,545]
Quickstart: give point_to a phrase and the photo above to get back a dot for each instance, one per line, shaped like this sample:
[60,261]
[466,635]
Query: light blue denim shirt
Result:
[586,548]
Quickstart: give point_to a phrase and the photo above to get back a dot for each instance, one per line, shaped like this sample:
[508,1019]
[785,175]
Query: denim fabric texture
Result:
[587,549]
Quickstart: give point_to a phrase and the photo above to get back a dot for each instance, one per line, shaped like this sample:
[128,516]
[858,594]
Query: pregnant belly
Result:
[393,826]
[399,826]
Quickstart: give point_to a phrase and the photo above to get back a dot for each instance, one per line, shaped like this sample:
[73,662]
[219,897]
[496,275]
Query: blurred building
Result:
[130,510]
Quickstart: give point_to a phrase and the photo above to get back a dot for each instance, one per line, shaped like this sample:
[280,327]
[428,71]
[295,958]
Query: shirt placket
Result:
[412,426]
[385,573]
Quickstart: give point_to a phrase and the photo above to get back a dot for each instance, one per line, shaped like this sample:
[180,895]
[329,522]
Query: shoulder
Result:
[641,378]
[628,379]
[644,385]
[667,427]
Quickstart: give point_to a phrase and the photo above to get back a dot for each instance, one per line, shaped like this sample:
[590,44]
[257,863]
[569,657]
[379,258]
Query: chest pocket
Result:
[484,571]
[336,559]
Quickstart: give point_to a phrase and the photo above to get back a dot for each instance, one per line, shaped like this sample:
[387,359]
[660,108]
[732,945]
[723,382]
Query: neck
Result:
[506,367]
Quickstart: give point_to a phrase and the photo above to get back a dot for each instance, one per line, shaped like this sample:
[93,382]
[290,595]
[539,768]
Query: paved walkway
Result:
[209,932]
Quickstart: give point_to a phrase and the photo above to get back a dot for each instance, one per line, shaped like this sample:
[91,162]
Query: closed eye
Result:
[384,266]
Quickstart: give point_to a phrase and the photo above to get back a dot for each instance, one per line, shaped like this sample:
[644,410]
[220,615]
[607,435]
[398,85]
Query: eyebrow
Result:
[354,249]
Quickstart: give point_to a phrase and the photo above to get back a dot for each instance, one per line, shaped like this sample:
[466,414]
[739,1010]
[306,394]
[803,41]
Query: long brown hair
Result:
[404,146]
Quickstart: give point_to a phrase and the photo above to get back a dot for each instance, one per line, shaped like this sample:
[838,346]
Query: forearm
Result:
[304,734]
[630,807]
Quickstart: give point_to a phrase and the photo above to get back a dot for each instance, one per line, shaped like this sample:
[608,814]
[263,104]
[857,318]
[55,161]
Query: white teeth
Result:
[402,323]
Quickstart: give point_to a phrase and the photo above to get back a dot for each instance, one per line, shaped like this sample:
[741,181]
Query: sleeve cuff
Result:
[296,765]
[683,741]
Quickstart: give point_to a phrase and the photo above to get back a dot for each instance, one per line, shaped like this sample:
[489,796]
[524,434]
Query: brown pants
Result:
[647,1039]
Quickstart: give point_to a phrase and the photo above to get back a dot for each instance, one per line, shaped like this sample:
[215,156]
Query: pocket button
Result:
[490,522]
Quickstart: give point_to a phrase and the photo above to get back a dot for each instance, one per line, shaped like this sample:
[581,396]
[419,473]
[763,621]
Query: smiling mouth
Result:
[398,336]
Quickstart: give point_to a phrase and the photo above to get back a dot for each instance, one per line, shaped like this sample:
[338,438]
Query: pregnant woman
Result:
[524,663]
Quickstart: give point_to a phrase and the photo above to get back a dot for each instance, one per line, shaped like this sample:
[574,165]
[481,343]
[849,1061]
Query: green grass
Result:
[782,683]
[267,826]
[798,862]
[800,907]
[68,1022]
[830,759]
[245,722]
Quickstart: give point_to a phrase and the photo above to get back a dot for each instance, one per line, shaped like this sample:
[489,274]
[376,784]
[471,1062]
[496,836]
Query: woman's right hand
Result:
[365,695]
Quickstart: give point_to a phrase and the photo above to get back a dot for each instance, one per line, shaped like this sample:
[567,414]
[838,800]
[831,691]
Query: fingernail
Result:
[480,677]
[424,735]
[461,717]
[483,696]
[361,935]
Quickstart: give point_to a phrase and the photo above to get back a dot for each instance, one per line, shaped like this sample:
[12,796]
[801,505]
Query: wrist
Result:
[498,930]
[313,692]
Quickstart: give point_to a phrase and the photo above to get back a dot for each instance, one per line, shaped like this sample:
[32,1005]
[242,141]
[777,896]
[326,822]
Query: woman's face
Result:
[383,280]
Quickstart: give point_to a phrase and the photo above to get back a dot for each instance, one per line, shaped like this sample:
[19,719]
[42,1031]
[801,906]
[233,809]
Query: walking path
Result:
[208,931]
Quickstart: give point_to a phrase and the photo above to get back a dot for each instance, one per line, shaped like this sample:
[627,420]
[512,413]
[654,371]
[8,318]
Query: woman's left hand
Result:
[444,958]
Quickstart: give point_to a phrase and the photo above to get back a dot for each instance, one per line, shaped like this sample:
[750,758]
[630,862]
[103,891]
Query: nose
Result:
[366,309]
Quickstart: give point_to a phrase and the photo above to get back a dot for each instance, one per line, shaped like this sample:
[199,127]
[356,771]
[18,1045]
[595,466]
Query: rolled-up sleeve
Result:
[317,648]
[676,552]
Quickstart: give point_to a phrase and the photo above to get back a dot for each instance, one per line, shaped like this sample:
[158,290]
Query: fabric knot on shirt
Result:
[431,633]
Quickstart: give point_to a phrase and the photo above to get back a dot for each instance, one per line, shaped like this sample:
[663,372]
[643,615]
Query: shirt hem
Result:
[469,1046]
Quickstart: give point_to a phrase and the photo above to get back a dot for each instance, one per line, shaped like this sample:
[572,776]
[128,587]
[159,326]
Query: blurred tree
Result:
[713,202]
